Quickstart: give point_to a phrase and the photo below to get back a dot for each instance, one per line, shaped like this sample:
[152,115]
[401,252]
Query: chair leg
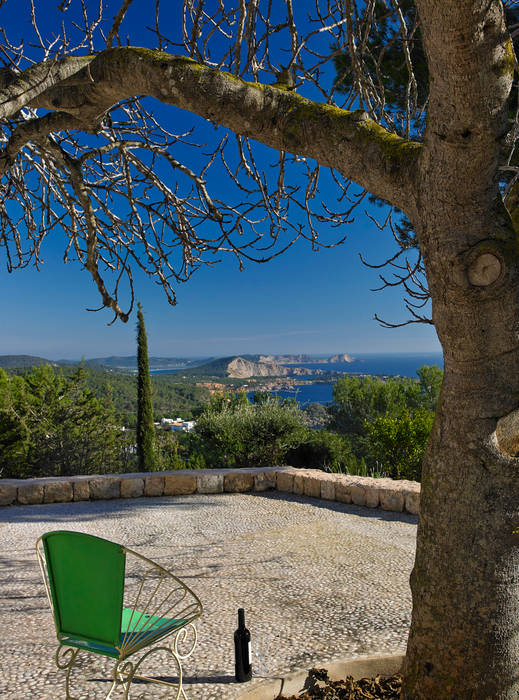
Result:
[118,679]
[65,658]
[130,670]
[126,671]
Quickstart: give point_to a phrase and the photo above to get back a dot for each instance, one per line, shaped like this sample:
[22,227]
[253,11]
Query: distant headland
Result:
[234,366]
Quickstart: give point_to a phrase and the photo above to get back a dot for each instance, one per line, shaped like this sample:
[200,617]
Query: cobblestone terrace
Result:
[318,580]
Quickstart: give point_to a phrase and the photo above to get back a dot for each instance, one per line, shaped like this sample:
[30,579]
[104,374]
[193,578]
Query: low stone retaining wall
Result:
[387,494]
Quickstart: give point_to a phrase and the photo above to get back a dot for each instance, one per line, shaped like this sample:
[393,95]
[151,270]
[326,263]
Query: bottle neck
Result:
[241,618]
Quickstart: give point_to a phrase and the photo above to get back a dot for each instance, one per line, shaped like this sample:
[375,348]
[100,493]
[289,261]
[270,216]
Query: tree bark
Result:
[345,140]
[464,638]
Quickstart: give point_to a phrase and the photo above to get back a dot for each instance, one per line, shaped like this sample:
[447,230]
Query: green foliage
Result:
[14,430]
[52,425]
[167,450]
[358,466]
[127,458]
[398,443]
[388,422]
[145,427]
[233,432]
[17,361]
[316,415]
[388,64]
[431,379]
[180,450]
[320,449]
[171,395]
[360,399]
[262,397]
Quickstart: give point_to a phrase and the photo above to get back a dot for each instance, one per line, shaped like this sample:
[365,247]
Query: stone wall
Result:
[386,494]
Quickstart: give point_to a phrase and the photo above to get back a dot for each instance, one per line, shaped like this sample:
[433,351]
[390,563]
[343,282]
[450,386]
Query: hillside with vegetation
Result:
[14,361]
[217,367]
[76,420]
[116,362]
[171,397]
[129,362]
[372,426]
[54,425]
[246,366]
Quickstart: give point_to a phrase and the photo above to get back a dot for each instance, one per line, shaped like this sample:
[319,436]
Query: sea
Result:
[404,365]
[377,364]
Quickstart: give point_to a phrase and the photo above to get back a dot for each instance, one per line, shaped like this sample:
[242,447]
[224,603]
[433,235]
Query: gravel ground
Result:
[317,580]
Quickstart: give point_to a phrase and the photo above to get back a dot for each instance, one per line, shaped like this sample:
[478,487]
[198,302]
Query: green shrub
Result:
[320,449]
[237,433]
[360,399]
[398,443]
[52,425]
[179,450]
[332,452]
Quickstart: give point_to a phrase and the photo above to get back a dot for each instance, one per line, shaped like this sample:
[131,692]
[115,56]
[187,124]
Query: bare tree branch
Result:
[83,151]
[117,23]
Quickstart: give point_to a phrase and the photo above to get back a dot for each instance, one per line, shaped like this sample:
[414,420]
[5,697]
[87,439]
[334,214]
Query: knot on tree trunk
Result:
[483,265]
[507,434]
[484,269]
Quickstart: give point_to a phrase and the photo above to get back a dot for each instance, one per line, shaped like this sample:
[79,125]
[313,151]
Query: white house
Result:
[177,424]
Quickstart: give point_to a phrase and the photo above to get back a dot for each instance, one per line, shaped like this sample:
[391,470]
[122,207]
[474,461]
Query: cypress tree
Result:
[145,427]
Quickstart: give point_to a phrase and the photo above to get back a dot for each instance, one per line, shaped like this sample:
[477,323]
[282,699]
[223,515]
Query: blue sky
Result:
[300,302]
[303,301]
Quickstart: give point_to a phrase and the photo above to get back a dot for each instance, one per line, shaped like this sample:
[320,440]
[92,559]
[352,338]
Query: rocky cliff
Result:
[240,368]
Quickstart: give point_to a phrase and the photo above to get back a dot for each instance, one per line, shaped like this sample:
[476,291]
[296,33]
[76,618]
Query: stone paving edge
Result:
[294,683]
[388,494]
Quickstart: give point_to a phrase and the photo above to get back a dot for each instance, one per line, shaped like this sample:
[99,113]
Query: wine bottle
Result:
[242,650]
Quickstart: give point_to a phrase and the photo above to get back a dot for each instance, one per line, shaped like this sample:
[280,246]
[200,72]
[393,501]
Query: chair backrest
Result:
[86,580]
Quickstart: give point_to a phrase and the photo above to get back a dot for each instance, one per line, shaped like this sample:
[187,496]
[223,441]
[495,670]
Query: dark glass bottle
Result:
[242,651]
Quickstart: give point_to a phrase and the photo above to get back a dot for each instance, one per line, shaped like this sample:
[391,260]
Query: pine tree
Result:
[145,427]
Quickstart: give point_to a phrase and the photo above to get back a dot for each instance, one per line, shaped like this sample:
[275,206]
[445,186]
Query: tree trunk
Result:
[464,639]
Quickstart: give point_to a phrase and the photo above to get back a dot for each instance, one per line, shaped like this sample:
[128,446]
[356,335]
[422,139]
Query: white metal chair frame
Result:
[142,630]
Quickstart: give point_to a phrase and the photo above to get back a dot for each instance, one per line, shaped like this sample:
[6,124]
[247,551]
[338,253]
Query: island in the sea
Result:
[305,359]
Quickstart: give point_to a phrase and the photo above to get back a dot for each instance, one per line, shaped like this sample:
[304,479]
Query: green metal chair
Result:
[110,601]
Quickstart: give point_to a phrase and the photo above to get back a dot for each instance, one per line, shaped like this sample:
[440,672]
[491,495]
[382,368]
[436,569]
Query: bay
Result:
[374,364]
[402,365]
